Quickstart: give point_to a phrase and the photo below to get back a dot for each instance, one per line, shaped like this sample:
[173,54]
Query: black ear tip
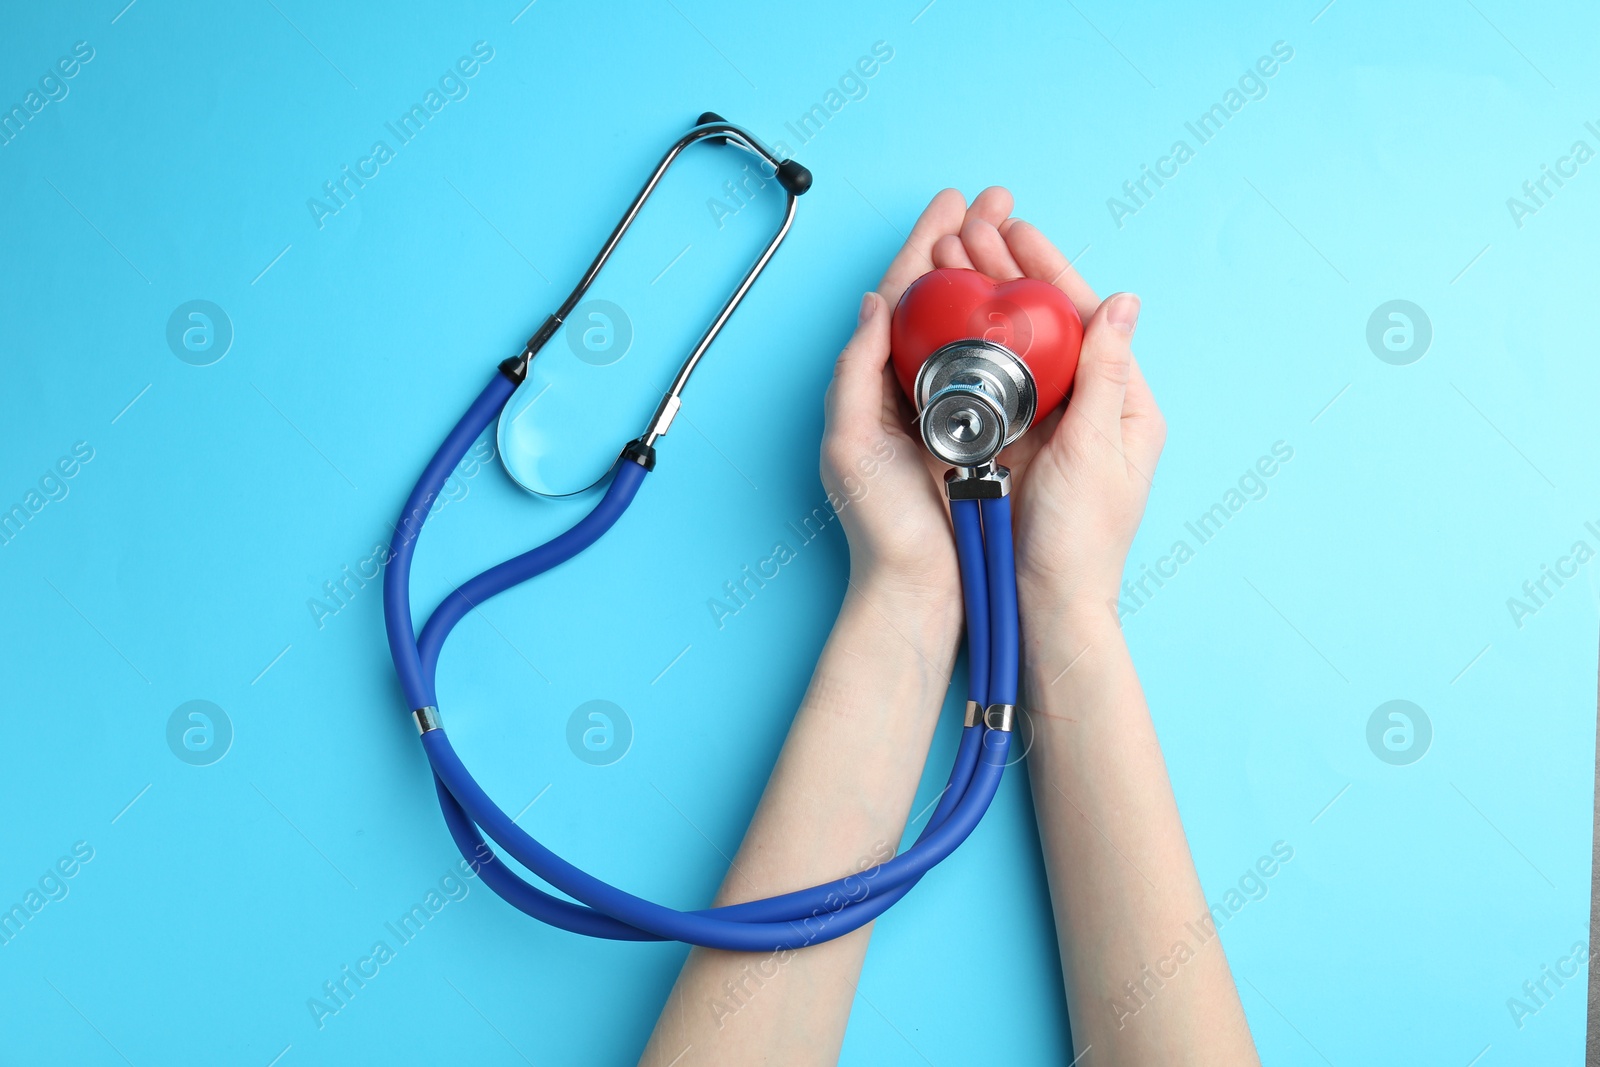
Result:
[793,177]
[711,116]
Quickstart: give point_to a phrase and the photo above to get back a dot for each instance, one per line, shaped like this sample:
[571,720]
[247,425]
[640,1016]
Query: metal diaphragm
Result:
[963,426]
[975,397]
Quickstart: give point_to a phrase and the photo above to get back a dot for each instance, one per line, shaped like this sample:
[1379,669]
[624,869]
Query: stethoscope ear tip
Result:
[793,177]
[709,117]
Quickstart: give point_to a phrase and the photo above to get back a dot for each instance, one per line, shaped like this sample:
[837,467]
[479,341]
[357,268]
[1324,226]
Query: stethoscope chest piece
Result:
[974,398]
[982,359]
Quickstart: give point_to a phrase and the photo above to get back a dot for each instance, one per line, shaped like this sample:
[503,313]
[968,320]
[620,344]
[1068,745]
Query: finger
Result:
[1105,367]
[943,215]
[897,408]
[993,205]
[856,396]
[988,250]
[1020,453]
[950,253]
[1144,428]
[1038,258]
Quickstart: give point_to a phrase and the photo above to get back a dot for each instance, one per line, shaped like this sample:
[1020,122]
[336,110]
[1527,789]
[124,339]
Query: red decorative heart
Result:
[1033,319]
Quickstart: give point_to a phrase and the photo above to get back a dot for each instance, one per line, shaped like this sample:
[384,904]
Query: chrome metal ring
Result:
[1000,716]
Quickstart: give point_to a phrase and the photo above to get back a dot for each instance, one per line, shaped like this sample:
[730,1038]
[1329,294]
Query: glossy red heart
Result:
[1030,317]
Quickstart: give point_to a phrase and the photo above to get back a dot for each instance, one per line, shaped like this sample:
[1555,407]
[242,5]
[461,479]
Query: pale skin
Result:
[1122,881]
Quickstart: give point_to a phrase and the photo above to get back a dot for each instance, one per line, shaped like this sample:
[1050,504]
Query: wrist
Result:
[907,598]
[1067,648]
[894,622]
[1067,605]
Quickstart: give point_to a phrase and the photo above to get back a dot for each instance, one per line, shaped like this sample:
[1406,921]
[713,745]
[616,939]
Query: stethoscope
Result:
[980,510]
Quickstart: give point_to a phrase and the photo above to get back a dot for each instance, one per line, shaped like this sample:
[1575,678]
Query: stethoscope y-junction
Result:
[979,409]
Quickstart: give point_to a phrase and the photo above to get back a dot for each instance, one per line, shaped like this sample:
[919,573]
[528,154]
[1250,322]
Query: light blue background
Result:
[181,563]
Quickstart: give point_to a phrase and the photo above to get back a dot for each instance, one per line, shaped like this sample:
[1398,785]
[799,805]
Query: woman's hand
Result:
[887,488]
[1081,477]
[1095,764]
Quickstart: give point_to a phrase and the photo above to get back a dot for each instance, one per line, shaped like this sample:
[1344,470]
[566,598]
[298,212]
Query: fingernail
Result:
[868,306]
[1123,312]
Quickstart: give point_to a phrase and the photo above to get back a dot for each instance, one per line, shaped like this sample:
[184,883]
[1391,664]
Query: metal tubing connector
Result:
[988,482]
[427,719]
[974,713]
[1000,716]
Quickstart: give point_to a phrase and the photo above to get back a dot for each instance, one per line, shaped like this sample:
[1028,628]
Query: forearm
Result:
[837,802]
[1146,977]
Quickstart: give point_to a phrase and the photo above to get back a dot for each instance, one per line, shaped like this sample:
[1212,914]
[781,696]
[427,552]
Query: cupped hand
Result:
[886,487]
[1081,476]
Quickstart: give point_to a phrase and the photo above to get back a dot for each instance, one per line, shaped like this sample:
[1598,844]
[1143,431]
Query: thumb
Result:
[1105,365]
[856,393]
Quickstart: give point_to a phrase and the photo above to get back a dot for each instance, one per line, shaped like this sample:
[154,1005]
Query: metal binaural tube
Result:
[794,179]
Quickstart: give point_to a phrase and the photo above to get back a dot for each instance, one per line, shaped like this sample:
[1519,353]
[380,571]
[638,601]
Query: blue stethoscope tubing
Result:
[788,921]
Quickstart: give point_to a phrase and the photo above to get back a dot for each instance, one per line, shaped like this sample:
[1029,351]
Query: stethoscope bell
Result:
[975,398]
